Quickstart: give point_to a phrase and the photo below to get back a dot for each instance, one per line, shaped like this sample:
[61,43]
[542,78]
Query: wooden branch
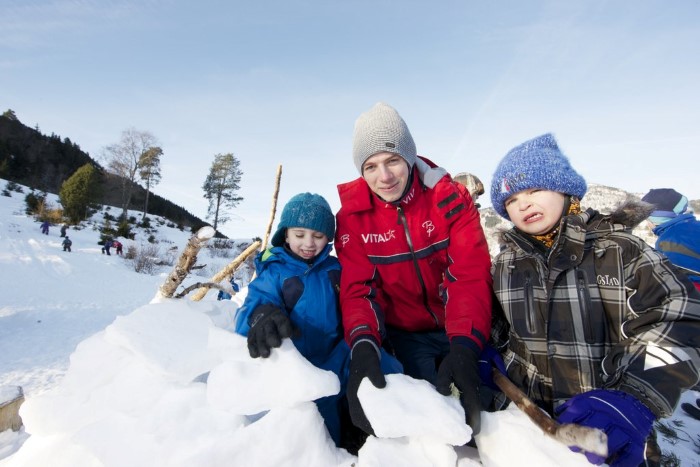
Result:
[274,207]
[187,259]
[196,285]
[586,438]
[228,270]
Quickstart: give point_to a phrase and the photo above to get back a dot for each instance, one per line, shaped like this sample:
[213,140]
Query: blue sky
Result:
[282,82]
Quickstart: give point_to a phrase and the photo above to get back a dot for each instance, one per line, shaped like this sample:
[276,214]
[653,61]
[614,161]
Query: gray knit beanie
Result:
[536,163]
[381,129]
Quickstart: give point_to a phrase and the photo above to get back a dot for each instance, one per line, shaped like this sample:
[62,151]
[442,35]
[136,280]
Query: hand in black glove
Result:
[460,367]
[364,362]
[268,326]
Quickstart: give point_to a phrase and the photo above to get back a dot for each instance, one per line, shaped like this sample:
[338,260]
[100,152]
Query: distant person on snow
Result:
[106,247]
[118,247]
[67,244]
[45,227]
[594,325]
[64,227]
[295,295]
[677,229]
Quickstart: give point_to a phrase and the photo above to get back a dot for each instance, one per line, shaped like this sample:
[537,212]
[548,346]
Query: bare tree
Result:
[221,186]
[123,159]
[149,171]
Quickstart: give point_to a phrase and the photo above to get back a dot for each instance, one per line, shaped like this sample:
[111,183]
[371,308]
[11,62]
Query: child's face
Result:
[535,211]
[306,243]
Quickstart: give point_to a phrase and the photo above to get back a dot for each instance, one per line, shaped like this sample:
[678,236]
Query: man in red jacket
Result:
[416,268]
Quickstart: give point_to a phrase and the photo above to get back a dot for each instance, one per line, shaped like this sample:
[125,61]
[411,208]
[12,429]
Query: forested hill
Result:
[44,162]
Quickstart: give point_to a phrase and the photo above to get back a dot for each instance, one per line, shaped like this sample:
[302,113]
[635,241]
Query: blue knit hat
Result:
[668,204]
[306,210]
[537,163]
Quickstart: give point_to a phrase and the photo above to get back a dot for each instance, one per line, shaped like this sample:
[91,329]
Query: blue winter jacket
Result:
[309,295]
[679,240]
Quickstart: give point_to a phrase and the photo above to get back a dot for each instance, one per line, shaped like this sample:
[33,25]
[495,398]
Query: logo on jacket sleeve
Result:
[379,237]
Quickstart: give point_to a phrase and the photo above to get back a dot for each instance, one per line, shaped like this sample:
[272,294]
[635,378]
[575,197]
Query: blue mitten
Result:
[625,420]
[488,359]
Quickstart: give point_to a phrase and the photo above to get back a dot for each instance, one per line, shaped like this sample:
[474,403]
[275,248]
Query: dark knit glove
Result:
[268,326]
[460,367]
[622,417]
[364,362]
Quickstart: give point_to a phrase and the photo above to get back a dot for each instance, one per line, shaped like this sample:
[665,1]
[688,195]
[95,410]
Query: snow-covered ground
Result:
[109,371]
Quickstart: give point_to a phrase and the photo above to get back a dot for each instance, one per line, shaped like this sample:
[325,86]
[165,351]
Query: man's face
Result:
[386,174]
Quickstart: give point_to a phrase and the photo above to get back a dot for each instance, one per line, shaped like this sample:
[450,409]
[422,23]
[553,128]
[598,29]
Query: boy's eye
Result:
[394,160]
[368,168]
[510,201]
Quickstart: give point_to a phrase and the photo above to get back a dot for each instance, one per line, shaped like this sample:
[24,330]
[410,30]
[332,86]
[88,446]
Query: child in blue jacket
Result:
[295,295]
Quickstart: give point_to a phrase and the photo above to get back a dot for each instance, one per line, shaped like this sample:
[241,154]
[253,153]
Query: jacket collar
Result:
[659,229]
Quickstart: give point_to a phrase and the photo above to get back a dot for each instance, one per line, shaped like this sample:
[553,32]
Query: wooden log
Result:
[228,270]
[586,438]
[9,409]
[187,259]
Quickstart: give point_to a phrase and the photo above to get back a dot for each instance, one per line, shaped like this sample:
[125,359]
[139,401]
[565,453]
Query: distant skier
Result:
[106,247]
[67,244]
[64,227]
[118,246]
[45,227]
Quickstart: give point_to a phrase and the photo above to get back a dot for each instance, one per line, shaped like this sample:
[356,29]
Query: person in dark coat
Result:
[64,227]
[106,247]
[593,324]
[67,244]
[45,227]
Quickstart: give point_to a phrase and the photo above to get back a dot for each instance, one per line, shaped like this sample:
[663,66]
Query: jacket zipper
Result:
[402,221]
[530,304]
[586,309]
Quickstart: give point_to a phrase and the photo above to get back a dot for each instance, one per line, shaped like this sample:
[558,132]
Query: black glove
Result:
[460,367]
[268,326]
[364,362]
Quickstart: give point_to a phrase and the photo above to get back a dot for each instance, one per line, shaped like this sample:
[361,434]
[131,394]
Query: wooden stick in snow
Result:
[186,261]
[584,437]
[274,207]
[228,270]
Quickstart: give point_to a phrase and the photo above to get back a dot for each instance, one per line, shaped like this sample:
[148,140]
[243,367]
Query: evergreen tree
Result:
[149,171]
[78,192]
[221,187]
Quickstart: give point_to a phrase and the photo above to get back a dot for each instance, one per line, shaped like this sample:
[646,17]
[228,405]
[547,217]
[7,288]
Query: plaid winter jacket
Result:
[600,309]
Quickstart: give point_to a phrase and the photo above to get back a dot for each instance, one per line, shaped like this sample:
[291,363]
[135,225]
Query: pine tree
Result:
[149,171]
[221,187]
[78,192]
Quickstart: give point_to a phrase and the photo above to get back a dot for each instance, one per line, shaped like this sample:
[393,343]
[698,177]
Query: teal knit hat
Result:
[306,210]
[536,163]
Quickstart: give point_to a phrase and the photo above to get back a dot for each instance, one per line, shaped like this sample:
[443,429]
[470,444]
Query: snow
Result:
[115,375]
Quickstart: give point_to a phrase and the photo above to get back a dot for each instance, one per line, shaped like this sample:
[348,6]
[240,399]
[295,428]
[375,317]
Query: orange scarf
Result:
[548,238]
